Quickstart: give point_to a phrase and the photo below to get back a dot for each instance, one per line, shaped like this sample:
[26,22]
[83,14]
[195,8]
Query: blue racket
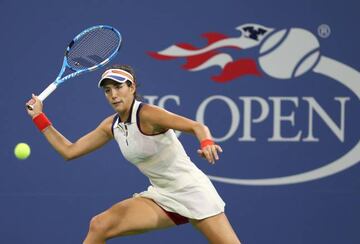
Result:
[89,50]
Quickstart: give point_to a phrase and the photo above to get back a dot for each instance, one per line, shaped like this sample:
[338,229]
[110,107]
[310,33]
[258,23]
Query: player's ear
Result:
[132,88]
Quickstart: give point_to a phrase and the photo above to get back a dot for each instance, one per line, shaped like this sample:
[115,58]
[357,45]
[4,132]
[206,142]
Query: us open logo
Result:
[283,54]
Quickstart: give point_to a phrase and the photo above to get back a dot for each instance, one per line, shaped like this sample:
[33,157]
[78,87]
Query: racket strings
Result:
[92,48]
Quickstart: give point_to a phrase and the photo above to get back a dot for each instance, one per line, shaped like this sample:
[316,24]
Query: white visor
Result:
[118,75]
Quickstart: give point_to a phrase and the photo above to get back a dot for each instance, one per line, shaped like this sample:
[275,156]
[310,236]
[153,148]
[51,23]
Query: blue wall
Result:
[289,171]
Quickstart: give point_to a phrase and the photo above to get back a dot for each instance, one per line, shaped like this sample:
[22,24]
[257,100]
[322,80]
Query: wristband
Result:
[206,142]
[41,122]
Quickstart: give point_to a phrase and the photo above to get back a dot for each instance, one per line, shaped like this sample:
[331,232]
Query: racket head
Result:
[92,48]
[89,50]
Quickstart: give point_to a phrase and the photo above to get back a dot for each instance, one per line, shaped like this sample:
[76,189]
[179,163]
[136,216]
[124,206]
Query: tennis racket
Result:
[89,50]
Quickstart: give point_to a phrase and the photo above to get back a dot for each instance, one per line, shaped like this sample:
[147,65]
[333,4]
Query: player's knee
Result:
[105,225]
[99,225]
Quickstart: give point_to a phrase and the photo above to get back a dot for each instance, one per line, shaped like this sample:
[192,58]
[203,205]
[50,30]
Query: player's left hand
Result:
[210,153]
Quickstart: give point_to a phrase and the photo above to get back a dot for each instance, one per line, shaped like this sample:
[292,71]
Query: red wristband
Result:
[206,142]
[41,122]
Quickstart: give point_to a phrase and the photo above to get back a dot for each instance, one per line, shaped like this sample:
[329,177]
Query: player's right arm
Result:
[67,149]
[86,144]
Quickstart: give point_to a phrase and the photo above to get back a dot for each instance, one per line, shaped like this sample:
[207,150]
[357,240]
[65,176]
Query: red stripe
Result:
[197,60]
[187,46]
[213,37]
[158,56]
[236,69]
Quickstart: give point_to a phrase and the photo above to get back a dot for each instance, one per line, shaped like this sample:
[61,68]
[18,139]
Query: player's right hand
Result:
[37,106]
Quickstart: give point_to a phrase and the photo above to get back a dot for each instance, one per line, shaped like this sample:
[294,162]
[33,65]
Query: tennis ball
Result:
[22,151]
[287,54]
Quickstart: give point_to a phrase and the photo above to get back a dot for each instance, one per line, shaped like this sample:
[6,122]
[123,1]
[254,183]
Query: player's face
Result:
[120,96]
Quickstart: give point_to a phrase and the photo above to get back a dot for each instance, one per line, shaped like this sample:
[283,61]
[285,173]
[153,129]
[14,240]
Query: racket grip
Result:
[47,91]
[44,94]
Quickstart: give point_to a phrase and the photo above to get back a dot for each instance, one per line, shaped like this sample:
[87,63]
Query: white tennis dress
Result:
[177,185]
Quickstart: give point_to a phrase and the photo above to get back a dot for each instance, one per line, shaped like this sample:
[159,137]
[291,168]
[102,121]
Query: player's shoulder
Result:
[154,116]
[150,108]
[110,118]
[108,121]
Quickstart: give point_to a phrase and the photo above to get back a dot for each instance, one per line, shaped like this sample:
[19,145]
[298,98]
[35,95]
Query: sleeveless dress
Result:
[177,185]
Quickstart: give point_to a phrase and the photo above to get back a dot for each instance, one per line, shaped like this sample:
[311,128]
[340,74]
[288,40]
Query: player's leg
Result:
[131,216]
[217,229]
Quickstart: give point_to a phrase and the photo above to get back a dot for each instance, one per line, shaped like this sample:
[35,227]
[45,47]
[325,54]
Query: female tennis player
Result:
[179,192]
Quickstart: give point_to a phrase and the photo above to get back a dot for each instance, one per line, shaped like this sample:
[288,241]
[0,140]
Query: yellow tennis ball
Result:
[22,151]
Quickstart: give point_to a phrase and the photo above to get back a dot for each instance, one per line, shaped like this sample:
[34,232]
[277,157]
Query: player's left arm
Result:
[159,119]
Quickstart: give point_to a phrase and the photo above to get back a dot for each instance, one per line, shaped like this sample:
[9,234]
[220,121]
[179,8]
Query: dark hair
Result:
[130,70]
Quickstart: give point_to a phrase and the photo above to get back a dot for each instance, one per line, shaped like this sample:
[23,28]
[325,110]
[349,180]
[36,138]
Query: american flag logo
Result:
[213,54]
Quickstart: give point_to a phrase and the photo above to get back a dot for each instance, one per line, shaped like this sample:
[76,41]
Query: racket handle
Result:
[44,94]
[47,91]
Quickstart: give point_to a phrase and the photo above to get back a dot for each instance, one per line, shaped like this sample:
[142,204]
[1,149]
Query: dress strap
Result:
[134,111]
[114,122]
